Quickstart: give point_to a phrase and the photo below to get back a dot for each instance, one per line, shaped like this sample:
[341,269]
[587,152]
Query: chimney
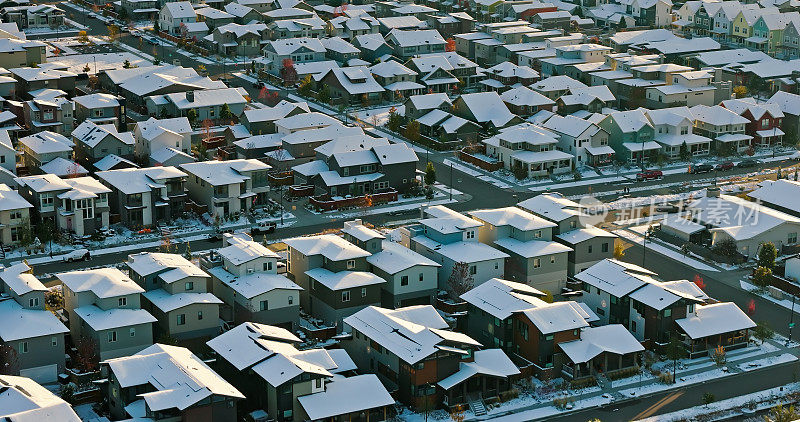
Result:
[190,96]
[712,192]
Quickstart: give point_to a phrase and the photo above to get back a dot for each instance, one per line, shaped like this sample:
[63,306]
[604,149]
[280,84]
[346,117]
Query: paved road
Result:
[690,396]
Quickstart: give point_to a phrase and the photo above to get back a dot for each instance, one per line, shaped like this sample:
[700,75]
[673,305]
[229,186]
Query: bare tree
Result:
[86,357]
[460,281]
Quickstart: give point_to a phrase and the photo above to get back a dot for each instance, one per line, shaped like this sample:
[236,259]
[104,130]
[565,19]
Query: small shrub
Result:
[665,378]
[509,395]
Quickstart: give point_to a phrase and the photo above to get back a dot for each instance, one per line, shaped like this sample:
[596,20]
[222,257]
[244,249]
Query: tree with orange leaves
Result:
[451,45]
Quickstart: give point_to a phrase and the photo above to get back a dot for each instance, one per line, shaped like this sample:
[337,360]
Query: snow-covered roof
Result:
[97,100]
[20,279]
[782,193]
[153,127]
[715,319]
[510,70]
[253,284]
[356,80]
[90,134]
[219,173]
[180,9]
[391,68]
[490,362]
[429,101]
[395,154]
[240,251]
[249,343]
[395,258]
[411,333]
[132,180]
[343,279]
[279,111]
[23,323]
[167,302]
[289,46]
[501,298]
[660,295]
[555,317]
[488,107]
[206,98]
[557,83]
[738,218]
[573,237]
[446,221]
[513,217]
[469,252]
[24,400]
[11,199]
[177,377]
[306,121]
[360,231]
[532,248]
[47,142]
[613,338]
[346,395]
[616,277]
[112,160]
[524,96]
[100,319]
[717,115]
[60,166]
[328,245]
[103,282]
[788,102]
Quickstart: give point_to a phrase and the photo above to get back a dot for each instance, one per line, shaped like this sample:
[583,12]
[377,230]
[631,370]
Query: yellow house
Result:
[743,25]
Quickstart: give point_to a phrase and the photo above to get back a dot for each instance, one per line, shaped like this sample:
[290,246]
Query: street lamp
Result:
[451,180]
[647,234]
[791,322]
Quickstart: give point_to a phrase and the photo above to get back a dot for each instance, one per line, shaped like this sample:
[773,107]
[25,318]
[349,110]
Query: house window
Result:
[189,285]
[363,292]
[496,265]
[268,266]
[318,383]
[470,234]
[537,262]
[351,264]
[181,319]
[263,306]
[112,336]
[552,259]
[346,296]
[523,331]
[132,332]
[473,269]
[604,248]
[667,313]
[34,301]
[291,300]
[633,326]
[199,315]
[54,341]
[404,280]
[537,233]
[590,248]
[792,239]
[23,347]
[421,277]
[123,301]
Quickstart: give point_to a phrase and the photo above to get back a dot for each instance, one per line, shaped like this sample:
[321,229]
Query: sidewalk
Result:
[696,371]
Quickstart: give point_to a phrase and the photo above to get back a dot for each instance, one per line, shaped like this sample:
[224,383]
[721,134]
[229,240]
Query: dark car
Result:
[152,40]
[264,227]
[669,208]
[701,168]
[747,163]
[649,175]
[728,165]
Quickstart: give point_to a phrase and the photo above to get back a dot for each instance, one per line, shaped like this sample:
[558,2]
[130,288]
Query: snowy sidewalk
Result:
[660,248]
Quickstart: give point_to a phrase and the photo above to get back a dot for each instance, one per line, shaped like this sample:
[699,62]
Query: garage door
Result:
[42,374]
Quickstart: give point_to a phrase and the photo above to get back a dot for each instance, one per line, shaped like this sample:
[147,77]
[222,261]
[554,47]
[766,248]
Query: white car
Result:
[76,255]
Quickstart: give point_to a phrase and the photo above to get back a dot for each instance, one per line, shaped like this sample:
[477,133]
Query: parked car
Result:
[76,255]
[217,235]
[728,165]
[747,163]
[700,168]
[649,175]
[152,40]
[668,208]
[264,227]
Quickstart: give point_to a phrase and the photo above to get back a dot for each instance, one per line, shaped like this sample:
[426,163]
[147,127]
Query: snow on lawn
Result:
[786,303]
[732,407]
[663,250]
[395,208]
[773,360]
[475,173]
[378,116]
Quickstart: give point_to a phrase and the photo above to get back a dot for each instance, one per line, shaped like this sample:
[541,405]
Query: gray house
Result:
[94,142]
[144,197]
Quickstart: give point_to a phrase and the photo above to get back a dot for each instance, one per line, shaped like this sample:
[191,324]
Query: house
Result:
[242,14]
[227,187]
[449,238]
[525,102]
[297,50]
[372,46]
[631,136]
[556,86]
[203,104]
[535,258]
[21,52]
[34,16]
[415,355]
[333,275]
[765,120]
[353,23]
[778,194]
[552,20]
[445,72]
[309,25]
[238,40]
[174,15]
[725,127]
[8,154]
[398,80]
[14,216]
[260,121]
[407,44]
[417,106]
[24,398]
[167,157]
[167,380]
[529,150]
[718,324]
[352,85]
[503,76]
[791,112]
[656,307]
[33,333]
[608,349]
[486,109]
[411,279]
[143,197]
[31,79]
[447,129]
[177,295]
[74,205]
[312,384]
[592,99]
[583,139]
[100,108]
[49,113]
[103,309]
[154,135]
[607,286]
[94,142]
[43,147]
[245,276]
[214,18]
[748,224]
[139,83]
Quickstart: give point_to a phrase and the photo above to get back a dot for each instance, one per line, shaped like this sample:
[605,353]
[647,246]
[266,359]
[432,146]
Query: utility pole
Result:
[791,321]
[451,180]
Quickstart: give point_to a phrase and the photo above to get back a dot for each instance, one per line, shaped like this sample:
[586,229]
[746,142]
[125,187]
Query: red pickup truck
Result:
[649,175]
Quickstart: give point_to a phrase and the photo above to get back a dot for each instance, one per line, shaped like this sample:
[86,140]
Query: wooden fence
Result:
[326,203]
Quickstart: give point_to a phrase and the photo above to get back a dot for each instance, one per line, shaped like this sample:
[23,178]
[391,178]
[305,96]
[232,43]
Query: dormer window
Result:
[351,263]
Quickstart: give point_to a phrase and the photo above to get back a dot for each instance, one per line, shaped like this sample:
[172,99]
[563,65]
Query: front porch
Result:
[607,364]
[542,163]
[599,156]
[642,152]
[729,341]
[733,142]
[768,138]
